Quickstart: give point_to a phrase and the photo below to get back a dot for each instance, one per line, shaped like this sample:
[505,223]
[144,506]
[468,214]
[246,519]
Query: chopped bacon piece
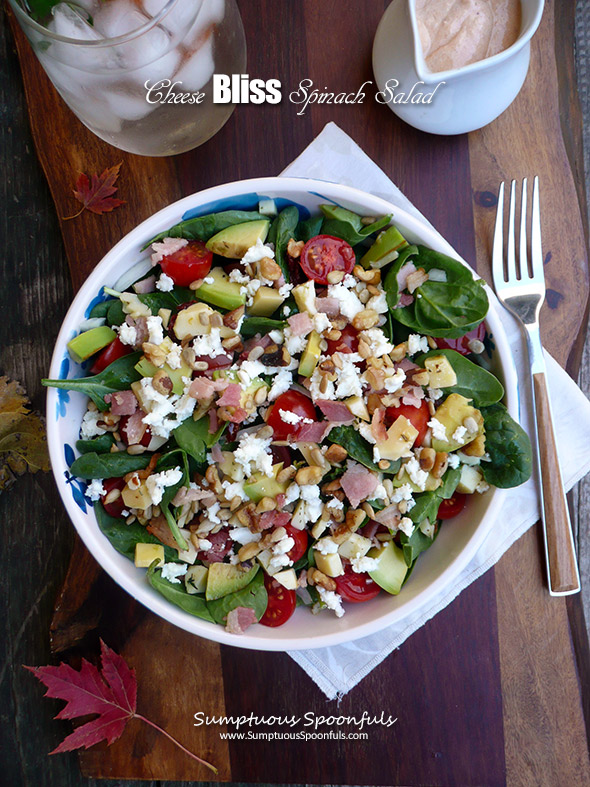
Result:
[273,519]
[221,546]
[135,427]
[204,388]
[213,420]
[390,516]
[312,433]
[256,341]
[185,495]
[217,453]
[337,412]
[145,285]
[414,396]
[141,329]
[329,306]
[240,619]
[300,324]
[358,483]
[159,528]
[238,416]
[370,529]
[232,396]
[122,402]
[405,299]
[378,429]
[403,273]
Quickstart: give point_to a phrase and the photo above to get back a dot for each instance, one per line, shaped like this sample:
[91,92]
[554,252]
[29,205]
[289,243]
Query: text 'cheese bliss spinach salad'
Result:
[285,411]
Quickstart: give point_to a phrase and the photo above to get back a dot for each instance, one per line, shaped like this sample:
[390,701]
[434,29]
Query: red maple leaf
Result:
[96,193]
[110,693]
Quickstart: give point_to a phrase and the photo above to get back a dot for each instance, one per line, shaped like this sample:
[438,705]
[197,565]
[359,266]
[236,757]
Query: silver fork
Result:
[520,285]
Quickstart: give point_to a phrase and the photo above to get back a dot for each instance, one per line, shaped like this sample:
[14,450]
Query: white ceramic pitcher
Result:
[447,102]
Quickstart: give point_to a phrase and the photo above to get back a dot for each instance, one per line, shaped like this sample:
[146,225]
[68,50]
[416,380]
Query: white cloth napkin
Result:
[334,156]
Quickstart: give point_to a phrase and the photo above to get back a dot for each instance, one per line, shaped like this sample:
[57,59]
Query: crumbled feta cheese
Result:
[165,283]
[286,309]
[250,290]
[417,344]
[378,303]
[171,572]
[315,385]
[209,280]
[280,558]
[376,454]
[366,431]
[174,357]
[482,487]
[362,564]
[332,600]
[377,341]
[292,418]
[380,493]
[243,535]
[238,277]
[292,493]
[212,513]
[350,304]
[127,334]
[166,247]
[95,490]
[155,330]
[284,292]
[406,526]
[439,431]
[277,337]
[394,382]
[165,413]
[416,474]
[459,435]
[157,482]
[281,383]
[252,454]
[436,274]
[234,489]
[204,544]
[434,394]
[333,502]
[257,252]
[403,492]
[209,344]
[249,370]
[294,344]
[310,494]
[326,546]
[321,322]
[348,379]
[90,427]
[454,461]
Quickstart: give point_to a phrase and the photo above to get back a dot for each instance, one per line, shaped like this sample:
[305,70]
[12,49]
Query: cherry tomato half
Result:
[451,507]
[461,345]
[146,437]
[301,539]
[281,603]
[323,254]
[293,402]
[116,507]
[188,264]
[112,352]
[417,416]
[347,343]
[356,587]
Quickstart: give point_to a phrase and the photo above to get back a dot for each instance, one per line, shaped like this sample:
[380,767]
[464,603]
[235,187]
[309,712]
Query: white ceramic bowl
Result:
[436,568]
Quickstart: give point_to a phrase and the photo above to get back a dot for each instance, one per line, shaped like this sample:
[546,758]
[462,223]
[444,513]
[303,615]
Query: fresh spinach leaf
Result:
[115,314]
[444,309]
[427,503]
[204,227]
[253,595]
[124,537]
[93,465]
[358,448]
[99,445]
[154,301]
[308,229]
[509,448]
[118,376]
[172,459]
[348,225]
[176,593]
[414,545]
[101,309]
[194,437]
[473,382]
[281,231]
[262,325]
[449,483]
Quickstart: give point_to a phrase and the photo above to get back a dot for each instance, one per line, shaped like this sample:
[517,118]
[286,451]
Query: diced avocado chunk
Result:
[260,485]
[452,414]
[221,292]
[147,369]
[265,302]
[400,439]
[86,344]
[311,355]
[392,568]
[223,579]
[385,249]
[247,395]
[234,241]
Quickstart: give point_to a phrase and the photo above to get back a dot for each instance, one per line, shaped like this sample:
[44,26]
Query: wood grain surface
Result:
[485,693]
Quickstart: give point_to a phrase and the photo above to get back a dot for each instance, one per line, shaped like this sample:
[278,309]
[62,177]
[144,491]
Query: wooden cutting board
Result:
[485,693]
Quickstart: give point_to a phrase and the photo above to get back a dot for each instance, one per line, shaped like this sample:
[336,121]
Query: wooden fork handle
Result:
[561,554]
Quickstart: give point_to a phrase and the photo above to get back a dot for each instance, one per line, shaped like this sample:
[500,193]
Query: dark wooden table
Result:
[493,690]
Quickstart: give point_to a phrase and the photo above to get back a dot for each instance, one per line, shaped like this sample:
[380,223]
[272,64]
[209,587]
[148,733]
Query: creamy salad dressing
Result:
[455,33]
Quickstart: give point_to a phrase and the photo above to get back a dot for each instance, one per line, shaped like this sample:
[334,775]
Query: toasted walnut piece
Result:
[331,487]
[373,403]
[370,276]
[286,474]
[421,377]
[266,504]
[333,334]
[307,476]
[366,319]
[476,447]
[441,463]
[335,277]
[212,476]
[336,453]
[269,269]
[355,518]
[399,351]
[427,458]
[162,383]
[375,378]
[233,343]
[317,577]
[294,248]
[154,353]
[375,363]
[416,279]
[232,319]
[247,515]
[248,551]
